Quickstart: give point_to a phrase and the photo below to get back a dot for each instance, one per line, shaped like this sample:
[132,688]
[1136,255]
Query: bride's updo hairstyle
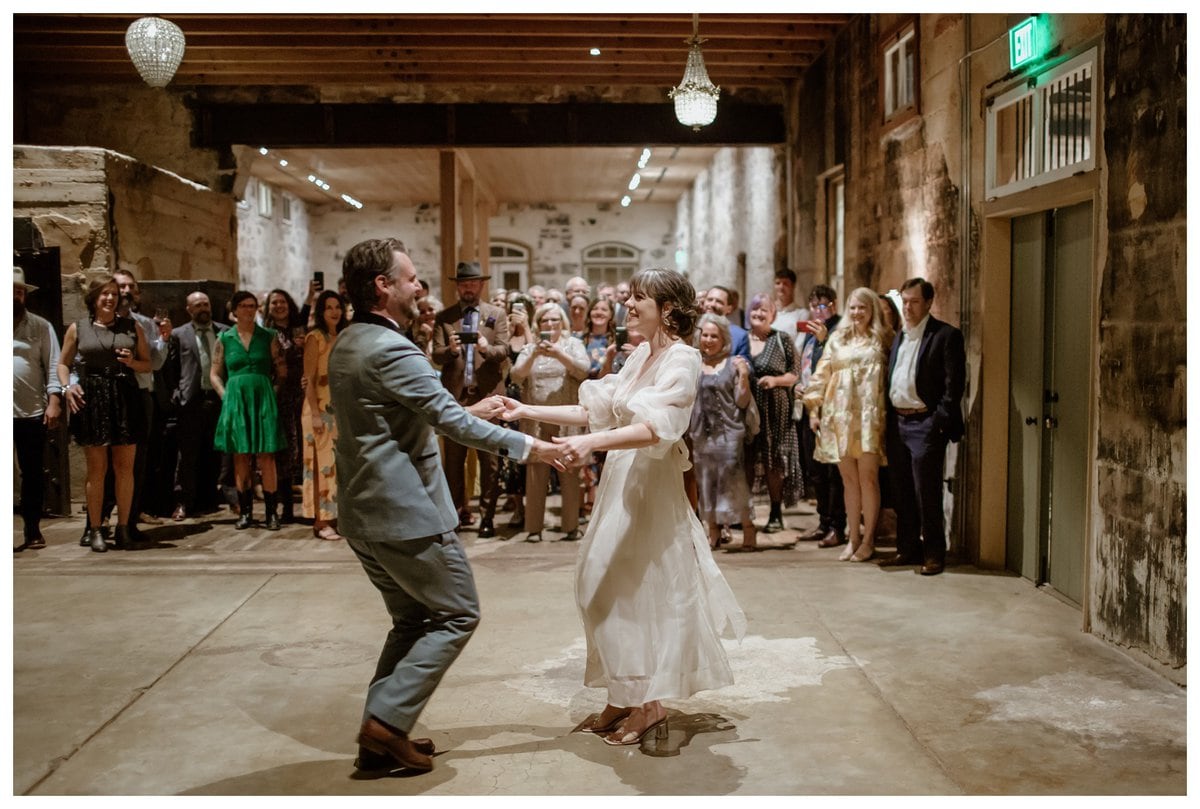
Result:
[673,289]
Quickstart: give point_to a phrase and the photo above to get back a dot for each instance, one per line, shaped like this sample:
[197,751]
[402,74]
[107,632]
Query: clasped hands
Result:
[561,452]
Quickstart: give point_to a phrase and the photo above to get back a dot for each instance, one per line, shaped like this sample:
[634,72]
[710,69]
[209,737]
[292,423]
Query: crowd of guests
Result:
[793,402]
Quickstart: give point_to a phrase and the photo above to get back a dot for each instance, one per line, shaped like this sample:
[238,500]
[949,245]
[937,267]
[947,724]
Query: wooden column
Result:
[483,211]
[448,174]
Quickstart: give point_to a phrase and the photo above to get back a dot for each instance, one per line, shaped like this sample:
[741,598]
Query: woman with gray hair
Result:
[718,433]
[550,371]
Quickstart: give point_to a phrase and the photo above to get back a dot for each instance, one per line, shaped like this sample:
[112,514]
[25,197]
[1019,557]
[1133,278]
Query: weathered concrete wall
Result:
[557,234]
[734,207]
[1139,582]
[106,211]
[273,251]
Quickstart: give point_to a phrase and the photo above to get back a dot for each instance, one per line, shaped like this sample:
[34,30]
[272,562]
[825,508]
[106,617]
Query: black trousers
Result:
[917,465]
[29,441]
[199,466]
[826,481]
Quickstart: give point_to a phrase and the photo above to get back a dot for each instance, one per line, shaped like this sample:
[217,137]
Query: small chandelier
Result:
[156,47]
[696,95]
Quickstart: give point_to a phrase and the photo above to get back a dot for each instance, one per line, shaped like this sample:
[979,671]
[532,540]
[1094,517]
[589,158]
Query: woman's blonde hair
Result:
[878,328]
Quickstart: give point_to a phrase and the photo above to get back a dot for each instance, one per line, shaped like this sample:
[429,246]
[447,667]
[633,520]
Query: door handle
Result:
[1050,423]
[1030,420]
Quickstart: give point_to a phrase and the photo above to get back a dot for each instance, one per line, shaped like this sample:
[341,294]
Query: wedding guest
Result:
[320,430]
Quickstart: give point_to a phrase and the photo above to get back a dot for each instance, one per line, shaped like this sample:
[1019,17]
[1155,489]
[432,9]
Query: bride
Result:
[652,600]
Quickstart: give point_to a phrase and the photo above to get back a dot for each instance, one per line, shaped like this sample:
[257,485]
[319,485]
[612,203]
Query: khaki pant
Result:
[537,480]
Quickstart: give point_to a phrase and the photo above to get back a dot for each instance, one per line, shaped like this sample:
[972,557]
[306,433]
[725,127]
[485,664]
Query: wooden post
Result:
[448,175]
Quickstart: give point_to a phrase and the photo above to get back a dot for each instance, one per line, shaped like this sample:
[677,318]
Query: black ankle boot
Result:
[245,507]
[96,540]
[775,520]
[272,523]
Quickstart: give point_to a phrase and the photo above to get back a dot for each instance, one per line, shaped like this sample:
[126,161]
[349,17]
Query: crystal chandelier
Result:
[696,96]
[156,47]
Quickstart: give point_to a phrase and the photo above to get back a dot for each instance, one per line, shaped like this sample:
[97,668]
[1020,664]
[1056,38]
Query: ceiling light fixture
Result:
[635,182]
[645,158]
[625,200]
[594,51]
[156,48]
[696,96]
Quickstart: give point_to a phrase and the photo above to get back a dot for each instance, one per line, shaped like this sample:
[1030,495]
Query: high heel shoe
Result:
[620,738]
[848,552]
[865,552]
[608,728]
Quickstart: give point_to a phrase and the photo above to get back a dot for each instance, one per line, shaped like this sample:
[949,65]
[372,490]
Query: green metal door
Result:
[1049,369]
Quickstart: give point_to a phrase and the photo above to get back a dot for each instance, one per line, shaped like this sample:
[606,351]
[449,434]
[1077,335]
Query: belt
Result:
[912,411]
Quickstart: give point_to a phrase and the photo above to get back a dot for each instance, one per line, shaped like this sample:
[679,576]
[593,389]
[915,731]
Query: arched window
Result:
[610,262]
[509,263]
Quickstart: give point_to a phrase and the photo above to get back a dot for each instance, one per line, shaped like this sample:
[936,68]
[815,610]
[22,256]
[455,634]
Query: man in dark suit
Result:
[926,376]
[393,504]
[198,405]
[825,477]
[473,368]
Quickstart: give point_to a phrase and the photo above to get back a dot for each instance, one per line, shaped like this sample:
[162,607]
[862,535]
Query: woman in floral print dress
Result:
[320,431]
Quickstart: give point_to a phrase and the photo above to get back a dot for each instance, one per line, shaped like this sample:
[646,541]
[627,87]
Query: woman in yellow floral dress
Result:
[845,398]
[320,431]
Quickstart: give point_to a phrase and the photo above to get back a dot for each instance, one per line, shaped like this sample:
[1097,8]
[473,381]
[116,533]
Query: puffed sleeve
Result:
[596,396]
[666,405]
[814,394]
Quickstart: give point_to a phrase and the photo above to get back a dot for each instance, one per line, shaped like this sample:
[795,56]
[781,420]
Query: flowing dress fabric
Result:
[112,405]
[777,445]
[652,600]
[320,475]
[249,420]
[847,389]
[718,432]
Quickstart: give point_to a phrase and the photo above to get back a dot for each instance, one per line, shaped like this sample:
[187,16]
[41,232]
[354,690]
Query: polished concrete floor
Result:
[222,662]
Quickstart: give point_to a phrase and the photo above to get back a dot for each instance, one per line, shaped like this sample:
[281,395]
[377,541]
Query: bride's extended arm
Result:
[633,436]
[567,415]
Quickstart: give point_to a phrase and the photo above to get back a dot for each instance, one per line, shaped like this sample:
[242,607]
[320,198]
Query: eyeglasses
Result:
[820,305]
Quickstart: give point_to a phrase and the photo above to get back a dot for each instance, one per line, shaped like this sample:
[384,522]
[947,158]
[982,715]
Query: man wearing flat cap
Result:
[470,344]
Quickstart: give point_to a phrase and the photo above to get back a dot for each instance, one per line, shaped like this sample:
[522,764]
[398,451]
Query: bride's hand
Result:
[576,449]
[512,408]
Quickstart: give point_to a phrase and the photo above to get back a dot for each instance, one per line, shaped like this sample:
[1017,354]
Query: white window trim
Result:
[1032,87]
[905,39]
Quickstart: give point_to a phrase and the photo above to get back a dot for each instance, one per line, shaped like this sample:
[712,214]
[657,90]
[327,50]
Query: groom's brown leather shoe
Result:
[379,738]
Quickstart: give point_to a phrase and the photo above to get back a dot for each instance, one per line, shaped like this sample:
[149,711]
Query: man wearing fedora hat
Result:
[37,404]
[470,344]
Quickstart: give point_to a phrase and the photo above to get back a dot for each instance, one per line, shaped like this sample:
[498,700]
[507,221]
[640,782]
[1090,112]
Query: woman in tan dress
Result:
[320,431]
[845,400]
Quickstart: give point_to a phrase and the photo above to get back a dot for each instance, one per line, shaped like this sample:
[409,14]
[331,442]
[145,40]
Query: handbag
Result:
[753,420]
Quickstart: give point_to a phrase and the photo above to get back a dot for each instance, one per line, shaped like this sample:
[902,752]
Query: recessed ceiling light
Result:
[594,51]
[283,162]
[635,182]
[262,149]
[625,200]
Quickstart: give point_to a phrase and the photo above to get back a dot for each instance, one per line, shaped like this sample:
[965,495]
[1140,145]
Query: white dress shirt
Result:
[904,376]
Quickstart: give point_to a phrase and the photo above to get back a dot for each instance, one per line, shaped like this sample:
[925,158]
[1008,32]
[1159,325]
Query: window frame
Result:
[906,34]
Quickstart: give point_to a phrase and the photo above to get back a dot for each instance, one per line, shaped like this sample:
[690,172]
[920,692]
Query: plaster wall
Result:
[734,207]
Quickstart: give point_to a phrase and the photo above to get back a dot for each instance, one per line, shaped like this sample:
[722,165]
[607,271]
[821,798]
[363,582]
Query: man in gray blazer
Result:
[394,507]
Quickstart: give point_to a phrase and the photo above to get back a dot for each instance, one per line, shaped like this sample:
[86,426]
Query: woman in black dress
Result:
[105,404]
[284,317]
[776,447]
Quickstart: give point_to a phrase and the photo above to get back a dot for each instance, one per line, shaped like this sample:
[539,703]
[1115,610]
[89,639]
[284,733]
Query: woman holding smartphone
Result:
[550,371]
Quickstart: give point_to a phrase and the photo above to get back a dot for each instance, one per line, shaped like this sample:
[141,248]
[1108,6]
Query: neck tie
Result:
[470,317]
[205,343]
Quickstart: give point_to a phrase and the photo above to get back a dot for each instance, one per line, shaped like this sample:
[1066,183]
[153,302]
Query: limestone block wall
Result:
[556,233]
[273,248]
[1139,585]
[106,211]
[734,207]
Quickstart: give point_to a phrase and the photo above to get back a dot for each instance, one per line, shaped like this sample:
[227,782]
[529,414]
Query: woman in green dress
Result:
[248,426]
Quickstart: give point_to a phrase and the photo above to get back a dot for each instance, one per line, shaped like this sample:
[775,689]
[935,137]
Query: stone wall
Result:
[106,211]
[734,207]
[274,250]
[556,234]
[1139,586]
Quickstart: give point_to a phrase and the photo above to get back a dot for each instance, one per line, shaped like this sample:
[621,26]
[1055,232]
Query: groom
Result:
[394,508]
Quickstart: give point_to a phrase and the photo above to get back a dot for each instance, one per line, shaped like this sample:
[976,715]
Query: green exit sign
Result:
[1022,43]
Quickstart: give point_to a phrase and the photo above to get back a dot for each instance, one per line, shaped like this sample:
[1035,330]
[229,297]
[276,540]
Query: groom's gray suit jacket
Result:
[388,401]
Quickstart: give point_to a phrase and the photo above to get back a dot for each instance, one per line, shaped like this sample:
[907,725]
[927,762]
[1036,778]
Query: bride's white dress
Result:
[652,599]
